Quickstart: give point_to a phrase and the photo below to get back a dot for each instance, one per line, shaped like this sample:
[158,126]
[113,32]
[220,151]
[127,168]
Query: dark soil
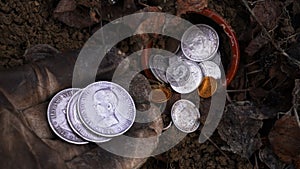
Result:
[265,79]
[27,23]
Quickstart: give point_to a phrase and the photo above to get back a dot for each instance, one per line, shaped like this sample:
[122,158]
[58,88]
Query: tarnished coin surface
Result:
[57,118]
[194,80]
[158,65]
[200,42]
[208,87]
[210,69]
[76,124]
[185,116]
[106,109]
[178,73]
[217,58]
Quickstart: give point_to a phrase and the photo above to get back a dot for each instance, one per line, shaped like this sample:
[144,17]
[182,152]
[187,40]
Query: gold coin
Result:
[208,87]
[160,94]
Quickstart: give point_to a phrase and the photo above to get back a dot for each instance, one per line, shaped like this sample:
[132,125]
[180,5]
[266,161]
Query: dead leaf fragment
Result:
[267,13]
[285,139]
[267,156]
[75,14]
[239,130]
[184,6]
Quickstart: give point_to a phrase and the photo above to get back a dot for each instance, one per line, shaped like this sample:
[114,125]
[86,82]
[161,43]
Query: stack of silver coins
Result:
[198,58]
[186,71]
[97,113]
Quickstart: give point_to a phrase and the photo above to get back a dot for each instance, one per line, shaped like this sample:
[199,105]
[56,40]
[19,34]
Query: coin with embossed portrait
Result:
[57,118]
[200,42]
[76,124]
[106,109]
[193,82]
[178,73]
[185,116]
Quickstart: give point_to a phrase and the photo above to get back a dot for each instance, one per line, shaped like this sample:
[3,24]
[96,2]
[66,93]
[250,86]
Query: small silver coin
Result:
[106,109]
[210,69]
[185,116]
[194,80]
[200,43]
[57,119]
[178,73]
[76,124]
[158,65]
[217,58]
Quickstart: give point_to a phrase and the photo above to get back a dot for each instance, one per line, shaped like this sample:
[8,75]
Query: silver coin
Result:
[106,109]
[195,80]
[57,119]
[200,42]
[217,58]
[76,124]
[210,69]
[185,116]
[158,65]
[178,73]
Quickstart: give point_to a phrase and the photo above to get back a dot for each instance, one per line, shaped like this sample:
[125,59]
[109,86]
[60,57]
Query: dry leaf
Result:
[285,139]
[267,156]
[184,6]
[239,130]
[75,14]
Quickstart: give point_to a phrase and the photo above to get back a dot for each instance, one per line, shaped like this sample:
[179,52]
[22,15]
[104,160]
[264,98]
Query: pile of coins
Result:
[97,113]
[195,66]
[104,110]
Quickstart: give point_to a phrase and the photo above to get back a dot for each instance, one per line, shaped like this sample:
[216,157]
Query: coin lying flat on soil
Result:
[200,42]
[76,124]
[185,116]
[57,119]
[106,109]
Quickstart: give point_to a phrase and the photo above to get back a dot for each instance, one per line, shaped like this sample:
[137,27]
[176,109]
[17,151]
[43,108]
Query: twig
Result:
[256,163]
[267,81]
[252,63]
[292,36]
[143,4]
[237,91]
[255,71]
[297,116]
[228,98]
[253,3]
[268,34]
